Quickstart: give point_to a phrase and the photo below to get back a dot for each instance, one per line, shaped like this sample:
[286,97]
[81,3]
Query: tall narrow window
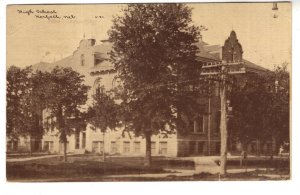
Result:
[163,147]
[200,147]
[51,146]
[97,59]
[217,89]
[153,147]
[82,60]
[192,147]
[46,146]
[137,147]
[83,139]
[114,148]
[218,118]
[61,146]
[77,140]
[101,147]
[95,147]
[199,124]
[126,147]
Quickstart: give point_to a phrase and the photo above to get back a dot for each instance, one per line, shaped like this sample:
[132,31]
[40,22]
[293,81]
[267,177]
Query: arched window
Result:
[98,87]
[82,60]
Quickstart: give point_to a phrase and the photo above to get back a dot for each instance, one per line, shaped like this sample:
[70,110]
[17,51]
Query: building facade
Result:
[201,136]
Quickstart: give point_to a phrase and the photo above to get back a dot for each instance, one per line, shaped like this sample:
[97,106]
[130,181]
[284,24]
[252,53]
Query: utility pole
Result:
[103,154]
[222,70]
[209,119]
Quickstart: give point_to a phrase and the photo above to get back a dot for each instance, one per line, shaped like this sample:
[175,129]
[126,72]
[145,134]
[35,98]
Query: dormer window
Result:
[97,59]
[82,60]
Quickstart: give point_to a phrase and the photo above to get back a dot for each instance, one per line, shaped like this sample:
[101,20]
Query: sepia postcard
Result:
[148,92]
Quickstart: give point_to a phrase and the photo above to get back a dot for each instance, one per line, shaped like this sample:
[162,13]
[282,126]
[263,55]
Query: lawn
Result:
[24,155]
[91,168]
[79,166]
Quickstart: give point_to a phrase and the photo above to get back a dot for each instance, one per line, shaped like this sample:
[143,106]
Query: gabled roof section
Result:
[208,52]
[251,67]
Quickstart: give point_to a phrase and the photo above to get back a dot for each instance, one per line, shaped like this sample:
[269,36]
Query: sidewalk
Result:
[36,157]
[190,173]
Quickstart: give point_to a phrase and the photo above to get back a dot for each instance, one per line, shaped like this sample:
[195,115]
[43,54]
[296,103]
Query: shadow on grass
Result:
[90,168]
[77,167]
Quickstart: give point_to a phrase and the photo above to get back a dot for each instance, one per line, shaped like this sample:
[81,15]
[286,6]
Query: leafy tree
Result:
[66,93]
[279,82]
[261,107]
[25,102]
[103,113]
[250,108]
[153,52]
[16,90]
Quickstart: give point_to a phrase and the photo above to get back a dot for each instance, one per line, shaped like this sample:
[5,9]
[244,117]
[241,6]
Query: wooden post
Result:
[223,125]
[103,155]
[209,120]
[209,70]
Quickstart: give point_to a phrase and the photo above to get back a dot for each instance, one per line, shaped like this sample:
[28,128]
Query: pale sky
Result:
[265,40]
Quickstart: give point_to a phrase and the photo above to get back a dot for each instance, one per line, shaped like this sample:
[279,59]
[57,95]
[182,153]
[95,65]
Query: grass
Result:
[77,167]
[24,155]
[90,168]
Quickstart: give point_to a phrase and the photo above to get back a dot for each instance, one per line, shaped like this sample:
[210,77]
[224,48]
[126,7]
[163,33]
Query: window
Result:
[217,147]
[200,147]
[49,123]
[126,147]
[9,145]
[97,87]
[199,124]
[163,148]
[61,146]
[77,140]
[83,139]
[153,147]
[12,145]
[217,89]
[101,146]
[114,147]
[218,118]
[82,60]
[48,146]
[192,147]
[97,59]
[95,147]
[137,147]
[51,146]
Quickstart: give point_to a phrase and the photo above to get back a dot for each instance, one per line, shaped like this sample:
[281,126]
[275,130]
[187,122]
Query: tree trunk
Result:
[30,147]
[103,147]
[242,154]
[63,135]
[65,150]
[223,127]
[258,147]
[148,149]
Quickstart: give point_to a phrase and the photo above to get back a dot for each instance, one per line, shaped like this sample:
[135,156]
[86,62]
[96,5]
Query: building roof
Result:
[104,49]
[208,53]
[251,67]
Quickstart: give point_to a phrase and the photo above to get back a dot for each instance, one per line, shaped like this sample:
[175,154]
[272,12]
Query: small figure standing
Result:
[280,150]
